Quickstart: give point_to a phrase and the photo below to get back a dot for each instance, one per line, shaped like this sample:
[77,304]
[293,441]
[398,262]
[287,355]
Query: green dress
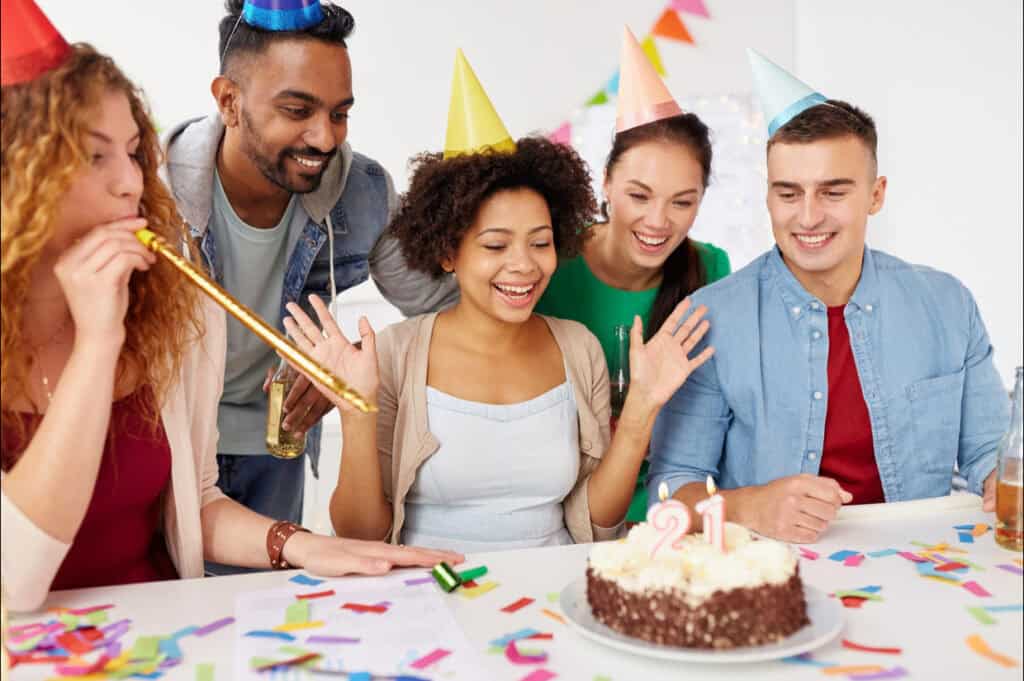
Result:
[575,293]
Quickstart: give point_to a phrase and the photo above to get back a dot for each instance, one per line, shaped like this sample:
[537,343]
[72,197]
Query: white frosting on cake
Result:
[697,570]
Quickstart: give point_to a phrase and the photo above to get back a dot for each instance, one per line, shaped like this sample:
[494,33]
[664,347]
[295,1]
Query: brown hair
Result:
[42,150]
[683,271]
[446,193]
[829,120]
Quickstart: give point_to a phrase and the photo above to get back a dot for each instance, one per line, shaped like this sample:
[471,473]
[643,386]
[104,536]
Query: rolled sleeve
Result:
[30,558]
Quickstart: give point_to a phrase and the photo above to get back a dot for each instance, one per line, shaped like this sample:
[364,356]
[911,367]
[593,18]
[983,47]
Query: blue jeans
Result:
[270,486]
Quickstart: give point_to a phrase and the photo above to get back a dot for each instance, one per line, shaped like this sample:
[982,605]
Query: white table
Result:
[927,619]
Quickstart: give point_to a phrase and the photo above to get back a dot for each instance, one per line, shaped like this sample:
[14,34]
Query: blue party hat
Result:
[282,15]
[782,96]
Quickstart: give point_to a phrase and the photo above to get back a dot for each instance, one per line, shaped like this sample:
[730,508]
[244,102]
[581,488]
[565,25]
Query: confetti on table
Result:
[805,658]
[327,594]
[362,607]
[1005,608]
[852,669]
[854,561]
[871,589]
[946,567]
[328,640]
[884,553]
[80,670]
[88,611]
[913,557]
[966,538]
[170,648]
[981,615]
[866,595]
[146,647]
[842,555]
[539,675]
[473,573]
[261,633]
[553,615]
[894,673]
[976,589]
[293,662]
[419,580]
[980,529]
[847,643]
[478,590]
[1011,568]
[214,626]
[204,672]
[514,636]
[186,631]
[541,637]
[978,645]
[516,656]
[299,626]
[930,570]
[430,658]
[470,584]
[297,612]
[1019,562]
[553,597]
[852,601]
[808,554]
[306,581]
[517,605]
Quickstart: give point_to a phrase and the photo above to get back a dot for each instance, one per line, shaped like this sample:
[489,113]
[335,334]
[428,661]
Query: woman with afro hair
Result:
[493,429]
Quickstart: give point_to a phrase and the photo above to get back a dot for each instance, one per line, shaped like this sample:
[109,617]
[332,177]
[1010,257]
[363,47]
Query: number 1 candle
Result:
[712,510]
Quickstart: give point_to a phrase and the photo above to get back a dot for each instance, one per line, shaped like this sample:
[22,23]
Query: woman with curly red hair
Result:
[111,368]
[493,430]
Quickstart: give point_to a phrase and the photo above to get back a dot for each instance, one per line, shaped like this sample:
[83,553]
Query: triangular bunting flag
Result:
[671,26]
[612,87]
[562,135]
[600,98]
[691,7]
[651,50]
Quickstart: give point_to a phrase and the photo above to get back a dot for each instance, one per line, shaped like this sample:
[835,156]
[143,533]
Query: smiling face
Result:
[653,191]
[290,106]
[110,186]
[820,195]
[507,256]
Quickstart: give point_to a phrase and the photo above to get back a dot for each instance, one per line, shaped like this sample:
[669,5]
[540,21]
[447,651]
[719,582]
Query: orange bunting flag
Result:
[671,26]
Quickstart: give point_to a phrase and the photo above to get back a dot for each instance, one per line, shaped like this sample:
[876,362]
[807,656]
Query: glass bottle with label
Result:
[284,444]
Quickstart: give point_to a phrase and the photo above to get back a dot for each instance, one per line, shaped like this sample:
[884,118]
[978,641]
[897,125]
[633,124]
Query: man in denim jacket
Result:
[841,374]
[282,209]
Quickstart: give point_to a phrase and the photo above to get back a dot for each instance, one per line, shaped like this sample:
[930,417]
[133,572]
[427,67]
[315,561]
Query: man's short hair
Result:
[238,38]
[829,120]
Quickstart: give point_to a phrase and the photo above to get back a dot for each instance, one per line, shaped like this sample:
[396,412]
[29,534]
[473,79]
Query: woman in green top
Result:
[639,260]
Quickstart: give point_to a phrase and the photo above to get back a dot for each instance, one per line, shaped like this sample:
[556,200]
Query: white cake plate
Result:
[826,615]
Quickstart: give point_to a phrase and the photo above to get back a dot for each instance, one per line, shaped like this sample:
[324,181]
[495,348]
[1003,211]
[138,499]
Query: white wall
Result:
[943,82]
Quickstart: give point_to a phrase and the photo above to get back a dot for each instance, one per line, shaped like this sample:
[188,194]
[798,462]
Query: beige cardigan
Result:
[30,558]
[404,440]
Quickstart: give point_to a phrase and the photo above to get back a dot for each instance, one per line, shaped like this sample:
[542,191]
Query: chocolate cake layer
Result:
[727,619]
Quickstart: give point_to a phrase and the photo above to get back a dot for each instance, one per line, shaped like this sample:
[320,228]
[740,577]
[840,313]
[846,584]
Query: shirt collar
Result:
[865,295]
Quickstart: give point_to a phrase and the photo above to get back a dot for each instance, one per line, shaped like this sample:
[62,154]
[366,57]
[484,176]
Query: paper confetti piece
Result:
[182,633]
[514,636]
[969,526]
[976,589]
[852,601]
[1019,562]
[470,584]
[884,553]
[478,590]
[145,647]
[419,580]
[306,581]
[866,595]
[871,588]
[473,573]
[293,662]
[361,607]
[894,673]
[929,570]
[204,672]
[541,637]
[1011,568]
[852,669]
[808,554]
[980,529]
[966,538]
[214,626]
[517,605]
[299,626]
[516,656]
[981,615]
[978,645]
[81,671]
[1005,608]
[297,612]
[854,561]
[553,615]
[913,557]
[261,633]
[70,641]
[946,567]
[942,580]
[553,597]
[88,611]
[847,643]
[805,658]
[328,640]
[324,594]
[430,658]
[842,555]
[539,675]
[170,648]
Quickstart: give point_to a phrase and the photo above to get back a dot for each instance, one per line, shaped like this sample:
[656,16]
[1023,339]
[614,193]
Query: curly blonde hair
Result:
[42,134]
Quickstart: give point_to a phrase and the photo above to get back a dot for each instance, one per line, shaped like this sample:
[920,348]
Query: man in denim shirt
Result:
[841,374]
[282,209]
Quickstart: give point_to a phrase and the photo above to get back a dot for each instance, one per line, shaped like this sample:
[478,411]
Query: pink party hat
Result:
[643,97]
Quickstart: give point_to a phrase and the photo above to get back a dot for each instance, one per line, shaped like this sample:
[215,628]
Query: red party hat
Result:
[29,44]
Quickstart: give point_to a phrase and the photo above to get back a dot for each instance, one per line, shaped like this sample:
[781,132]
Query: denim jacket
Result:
[755,412]
[355,198]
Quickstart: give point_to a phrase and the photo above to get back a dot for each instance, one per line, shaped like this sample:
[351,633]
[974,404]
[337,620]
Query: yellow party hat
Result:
[643,97]
[473,124]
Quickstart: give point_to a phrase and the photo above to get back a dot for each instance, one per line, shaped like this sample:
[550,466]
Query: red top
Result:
[848,455]
[120,540]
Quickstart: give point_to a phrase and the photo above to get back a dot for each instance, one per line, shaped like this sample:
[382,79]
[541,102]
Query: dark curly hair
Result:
[446,193]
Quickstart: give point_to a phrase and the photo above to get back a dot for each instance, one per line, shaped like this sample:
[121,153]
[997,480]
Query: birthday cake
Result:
[694,595]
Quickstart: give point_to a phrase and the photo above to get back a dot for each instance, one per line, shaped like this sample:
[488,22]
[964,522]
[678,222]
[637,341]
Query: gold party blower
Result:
[254,323]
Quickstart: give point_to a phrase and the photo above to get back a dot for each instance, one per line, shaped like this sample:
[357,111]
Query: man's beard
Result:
[275,170]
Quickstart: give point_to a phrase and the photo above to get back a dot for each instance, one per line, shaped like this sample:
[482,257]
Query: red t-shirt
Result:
[848,455]
[120,540]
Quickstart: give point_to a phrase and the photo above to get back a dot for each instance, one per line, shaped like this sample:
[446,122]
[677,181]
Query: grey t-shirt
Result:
[254,262]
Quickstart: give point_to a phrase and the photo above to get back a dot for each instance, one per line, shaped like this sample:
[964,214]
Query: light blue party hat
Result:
[782,96]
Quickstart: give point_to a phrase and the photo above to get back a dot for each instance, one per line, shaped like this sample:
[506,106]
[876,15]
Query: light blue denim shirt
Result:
[756,411]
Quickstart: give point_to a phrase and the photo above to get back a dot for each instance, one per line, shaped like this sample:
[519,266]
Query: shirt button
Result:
[818,395]
[811,456]
[814,306]
[796,311]
[816,335]
[869,308]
